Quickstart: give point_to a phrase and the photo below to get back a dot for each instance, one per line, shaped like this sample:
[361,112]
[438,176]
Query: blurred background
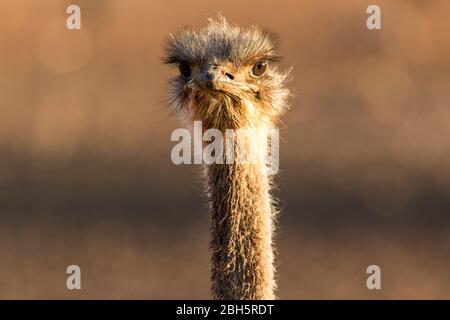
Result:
[86,176]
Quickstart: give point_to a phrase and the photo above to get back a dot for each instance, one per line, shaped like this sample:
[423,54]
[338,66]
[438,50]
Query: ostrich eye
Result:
[259,69]
[185,69]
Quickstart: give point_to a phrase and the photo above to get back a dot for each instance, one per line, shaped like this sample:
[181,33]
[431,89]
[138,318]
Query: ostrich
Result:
[228,80]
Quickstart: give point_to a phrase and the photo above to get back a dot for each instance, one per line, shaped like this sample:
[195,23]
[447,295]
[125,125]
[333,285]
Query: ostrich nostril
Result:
[229,75]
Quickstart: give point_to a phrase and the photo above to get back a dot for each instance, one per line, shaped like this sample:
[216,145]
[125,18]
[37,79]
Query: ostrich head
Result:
[227,77]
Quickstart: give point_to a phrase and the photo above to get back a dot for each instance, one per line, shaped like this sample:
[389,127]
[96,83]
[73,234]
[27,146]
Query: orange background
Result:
[86,176]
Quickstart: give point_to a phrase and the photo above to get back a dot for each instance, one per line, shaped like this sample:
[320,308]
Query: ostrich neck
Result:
[242,227]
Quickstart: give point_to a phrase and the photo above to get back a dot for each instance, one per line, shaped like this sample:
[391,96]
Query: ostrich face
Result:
[227,77]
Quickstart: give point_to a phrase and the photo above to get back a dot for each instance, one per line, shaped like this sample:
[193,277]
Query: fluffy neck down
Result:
[242,228]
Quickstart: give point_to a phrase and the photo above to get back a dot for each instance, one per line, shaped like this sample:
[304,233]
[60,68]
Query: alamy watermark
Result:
[73,281]
[234,146]
[374,280]
[373,22]
[73,21]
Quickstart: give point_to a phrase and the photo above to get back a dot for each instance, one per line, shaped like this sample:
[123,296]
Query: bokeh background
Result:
[86,176]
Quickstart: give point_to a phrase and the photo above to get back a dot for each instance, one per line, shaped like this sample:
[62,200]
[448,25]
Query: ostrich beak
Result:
[217,78]
[213,79]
